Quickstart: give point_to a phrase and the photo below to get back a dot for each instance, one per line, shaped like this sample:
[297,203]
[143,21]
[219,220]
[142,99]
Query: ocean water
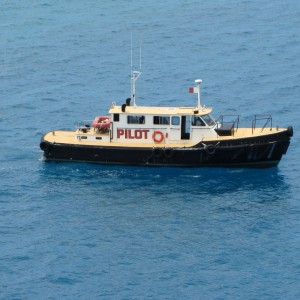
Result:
[85,231]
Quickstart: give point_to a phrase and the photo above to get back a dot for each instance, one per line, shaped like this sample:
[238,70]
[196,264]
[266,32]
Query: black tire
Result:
[157,152]
[168,153]
[210,149]
[44,146]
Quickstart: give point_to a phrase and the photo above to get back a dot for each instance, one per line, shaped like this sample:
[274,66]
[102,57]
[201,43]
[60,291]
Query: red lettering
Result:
[146,133]
[138,134]
[129,134]
[120,132]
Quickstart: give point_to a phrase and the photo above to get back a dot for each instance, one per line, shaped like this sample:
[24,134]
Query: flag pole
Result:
[198,82]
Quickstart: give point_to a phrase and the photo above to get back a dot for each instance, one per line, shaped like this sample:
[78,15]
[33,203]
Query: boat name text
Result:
[133,133]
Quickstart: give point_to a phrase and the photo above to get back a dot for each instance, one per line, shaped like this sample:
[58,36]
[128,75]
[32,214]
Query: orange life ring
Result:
[160,137]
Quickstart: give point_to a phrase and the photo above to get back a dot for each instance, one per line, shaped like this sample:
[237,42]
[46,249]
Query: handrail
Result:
[268,119]
[87,126]
[235,121]
[84,123]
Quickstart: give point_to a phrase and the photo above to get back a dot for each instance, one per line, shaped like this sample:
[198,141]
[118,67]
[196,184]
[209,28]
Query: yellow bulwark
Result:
[71,137]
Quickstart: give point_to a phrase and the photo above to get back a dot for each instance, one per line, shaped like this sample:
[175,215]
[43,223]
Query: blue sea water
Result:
[84,231]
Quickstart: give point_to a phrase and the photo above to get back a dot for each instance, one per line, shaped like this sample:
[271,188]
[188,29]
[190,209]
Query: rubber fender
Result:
[44,145]
[210,149]
[168,152]
[157,152]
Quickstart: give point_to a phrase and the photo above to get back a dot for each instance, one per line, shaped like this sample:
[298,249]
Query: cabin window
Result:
[197,121]
[175,120]
[161,120]
[116,117]
[208,120]
[135,119]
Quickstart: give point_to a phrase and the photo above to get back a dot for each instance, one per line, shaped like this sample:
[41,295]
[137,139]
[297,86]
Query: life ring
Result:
[157,136]
[168,152]
[210,149]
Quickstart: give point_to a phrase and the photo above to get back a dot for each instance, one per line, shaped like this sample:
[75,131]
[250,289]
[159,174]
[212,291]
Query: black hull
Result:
[259,152]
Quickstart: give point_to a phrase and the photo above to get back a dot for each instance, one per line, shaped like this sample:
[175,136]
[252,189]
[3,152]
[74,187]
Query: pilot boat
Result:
[169,136]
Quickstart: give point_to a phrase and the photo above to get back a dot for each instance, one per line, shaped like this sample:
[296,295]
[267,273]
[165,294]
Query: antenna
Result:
[131,54]
[140,53]
[135,74]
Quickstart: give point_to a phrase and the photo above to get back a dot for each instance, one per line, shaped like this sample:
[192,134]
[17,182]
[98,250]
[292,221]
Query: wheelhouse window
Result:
[135,119]
[161,120]
[175,120]
[208,120]
[197,121]
[116,117]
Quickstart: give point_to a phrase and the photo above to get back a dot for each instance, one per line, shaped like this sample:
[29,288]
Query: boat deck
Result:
[70,137]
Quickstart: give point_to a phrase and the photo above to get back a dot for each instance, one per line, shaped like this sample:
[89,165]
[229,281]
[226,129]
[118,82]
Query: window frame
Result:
[172,122]
[116,117]
[139,119]
[194,121]
[159,120]
[212,121]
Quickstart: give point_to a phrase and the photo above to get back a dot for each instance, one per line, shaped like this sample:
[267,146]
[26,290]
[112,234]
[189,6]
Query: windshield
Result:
[208,120]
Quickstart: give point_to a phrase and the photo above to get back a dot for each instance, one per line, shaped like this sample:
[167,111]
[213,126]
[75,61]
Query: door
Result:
[175,129]
[185,127]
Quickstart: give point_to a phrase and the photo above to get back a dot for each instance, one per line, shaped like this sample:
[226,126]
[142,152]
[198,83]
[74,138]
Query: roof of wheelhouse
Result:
[151,110]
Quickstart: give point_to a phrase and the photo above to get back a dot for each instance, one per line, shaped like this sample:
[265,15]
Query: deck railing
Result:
[258,118]
[227,124]
[84,125]
[235,119]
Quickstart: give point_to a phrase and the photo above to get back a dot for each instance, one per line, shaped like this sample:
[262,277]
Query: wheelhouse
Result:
[179,125]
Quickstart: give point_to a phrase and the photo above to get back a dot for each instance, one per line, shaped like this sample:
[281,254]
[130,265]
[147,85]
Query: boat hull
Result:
[259,152]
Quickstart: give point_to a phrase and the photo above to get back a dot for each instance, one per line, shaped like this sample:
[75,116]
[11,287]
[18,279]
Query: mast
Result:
[198,82]
[135,74]
[134,77]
